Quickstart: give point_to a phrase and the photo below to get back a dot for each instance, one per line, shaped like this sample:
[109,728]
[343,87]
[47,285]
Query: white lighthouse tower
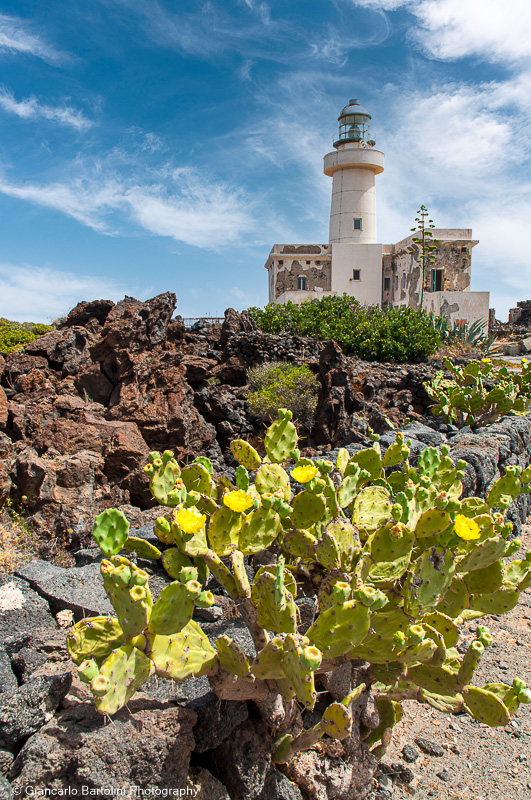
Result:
[353,166]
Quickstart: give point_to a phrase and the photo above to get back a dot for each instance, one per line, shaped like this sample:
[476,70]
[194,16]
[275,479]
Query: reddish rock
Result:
[3,408]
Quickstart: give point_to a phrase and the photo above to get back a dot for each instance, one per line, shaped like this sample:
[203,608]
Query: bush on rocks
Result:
[390,334]
[280,384]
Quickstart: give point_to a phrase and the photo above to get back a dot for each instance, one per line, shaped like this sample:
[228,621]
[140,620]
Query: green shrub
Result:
[375,334]
[14,335]
[466,399]
[280,384]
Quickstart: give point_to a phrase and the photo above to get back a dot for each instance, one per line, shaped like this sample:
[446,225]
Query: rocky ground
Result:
[461,759]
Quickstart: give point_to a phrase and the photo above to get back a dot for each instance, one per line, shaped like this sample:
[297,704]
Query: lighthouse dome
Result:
[354,107]
[354,126]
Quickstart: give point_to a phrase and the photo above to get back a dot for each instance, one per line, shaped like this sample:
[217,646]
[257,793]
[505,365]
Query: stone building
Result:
[353,262]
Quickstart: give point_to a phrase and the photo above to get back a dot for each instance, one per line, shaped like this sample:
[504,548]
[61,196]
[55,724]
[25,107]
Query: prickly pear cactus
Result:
[480,393]
[395,559]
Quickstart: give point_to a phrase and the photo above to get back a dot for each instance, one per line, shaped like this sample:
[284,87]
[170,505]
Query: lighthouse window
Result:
[357,224]
[404,281]
[387,284]
[301,284]
[356,274]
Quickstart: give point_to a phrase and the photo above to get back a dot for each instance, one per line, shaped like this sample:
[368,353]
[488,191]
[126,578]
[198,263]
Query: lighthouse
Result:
[353,166]
[355,263]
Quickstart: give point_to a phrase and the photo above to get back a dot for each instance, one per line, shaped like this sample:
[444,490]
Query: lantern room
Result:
[354,126]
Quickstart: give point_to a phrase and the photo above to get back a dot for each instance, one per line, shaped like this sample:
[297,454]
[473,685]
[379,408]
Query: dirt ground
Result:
[478,762]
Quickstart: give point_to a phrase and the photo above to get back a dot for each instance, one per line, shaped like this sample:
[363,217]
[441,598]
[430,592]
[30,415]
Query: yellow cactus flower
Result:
[238,501]
[466,528]
[189,520]
[524,361]
[486,360]
[304,474]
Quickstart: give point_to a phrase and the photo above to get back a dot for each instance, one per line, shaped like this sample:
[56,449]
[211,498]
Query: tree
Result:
[426,244]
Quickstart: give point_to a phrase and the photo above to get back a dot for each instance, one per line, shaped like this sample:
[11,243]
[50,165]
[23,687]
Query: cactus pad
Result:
[111,530]
[120,675]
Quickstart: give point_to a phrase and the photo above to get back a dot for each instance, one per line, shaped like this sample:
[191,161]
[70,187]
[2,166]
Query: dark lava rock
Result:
[278,787]
[244,759]
[31,707]
[429,747]
[147,745]
[444,775]
[78,588]
[216,720]
[21,609]
[8,681]
[403,775]
[415,430]
[409,754]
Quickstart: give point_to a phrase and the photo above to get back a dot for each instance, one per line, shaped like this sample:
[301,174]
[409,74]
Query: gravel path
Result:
[478,762]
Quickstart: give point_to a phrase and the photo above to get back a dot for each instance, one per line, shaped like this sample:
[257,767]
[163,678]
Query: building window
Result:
[308,263]
[396,281]
[464,249]
[356,274]
[357,224]
[387,284]
[404,281]
[437,280]
[281,263]
[301,284]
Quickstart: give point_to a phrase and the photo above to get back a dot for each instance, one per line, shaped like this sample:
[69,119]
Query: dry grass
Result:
[20,544]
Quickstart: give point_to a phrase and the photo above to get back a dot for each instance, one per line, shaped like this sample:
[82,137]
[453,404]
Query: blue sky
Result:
[149,145]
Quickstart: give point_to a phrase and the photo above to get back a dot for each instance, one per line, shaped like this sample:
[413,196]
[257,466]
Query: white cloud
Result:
[493,30]
[30,108]
[41,294]
[16,37]
[186,205]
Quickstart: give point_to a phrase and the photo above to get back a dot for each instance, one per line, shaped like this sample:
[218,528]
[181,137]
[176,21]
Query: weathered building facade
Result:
[353,262]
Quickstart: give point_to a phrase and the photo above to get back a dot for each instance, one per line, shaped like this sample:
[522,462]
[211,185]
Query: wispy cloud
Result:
[186,205]
[17,37]
[254,32]
[41,294]
[30,108]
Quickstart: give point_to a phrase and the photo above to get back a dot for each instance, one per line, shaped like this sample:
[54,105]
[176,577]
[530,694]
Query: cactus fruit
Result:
[110,532]
[281,438]
[119,677]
